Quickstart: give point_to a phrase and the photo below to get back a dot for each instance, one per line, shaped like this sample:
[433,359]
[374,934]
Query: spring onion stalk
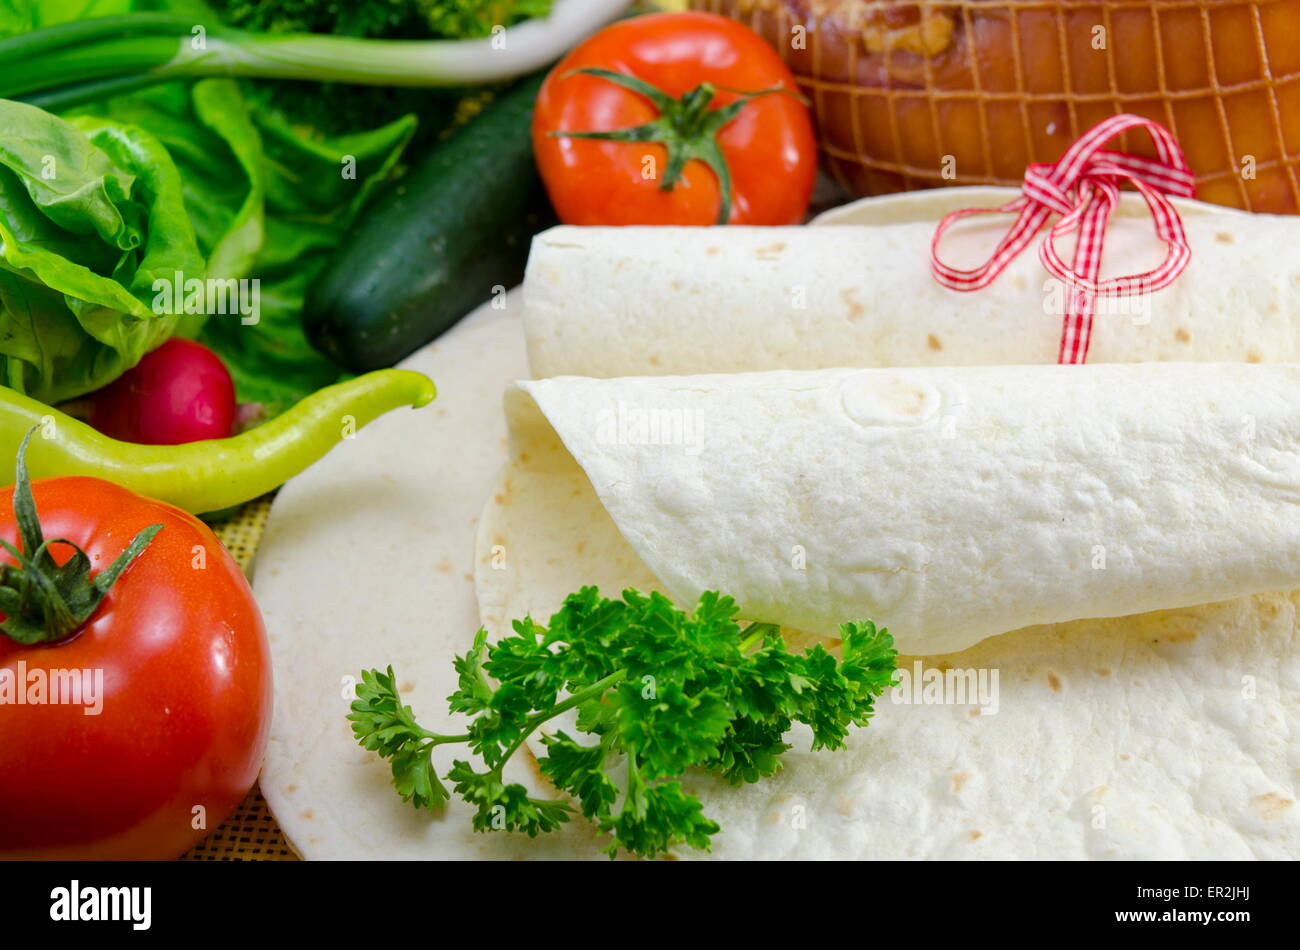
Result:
[58,66]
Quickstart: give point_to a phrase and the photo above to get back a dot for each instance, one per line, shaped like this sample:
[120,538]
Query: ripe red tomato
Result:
[186,689]
[180,392]
[769,145]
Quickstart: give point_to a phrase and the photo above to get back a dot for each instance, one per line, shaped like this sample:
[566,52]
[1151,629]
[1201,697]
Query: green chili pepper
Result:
[215,474]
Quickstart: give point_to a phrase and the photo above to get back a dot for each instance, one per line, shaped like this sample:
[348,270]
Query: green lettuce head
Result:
[91,215]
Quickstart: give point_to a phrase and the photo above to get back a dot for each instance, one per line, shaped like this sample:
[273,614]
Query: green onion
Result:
[60,65]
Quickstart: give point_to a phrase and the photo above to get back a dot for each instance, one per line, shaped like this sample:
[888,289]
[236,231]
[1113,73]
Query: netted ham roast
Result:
[916,95]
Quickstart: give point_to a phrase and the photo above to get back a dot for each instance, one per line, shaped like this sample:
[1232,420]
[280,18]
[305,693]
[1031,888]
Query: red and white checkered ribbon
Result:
[1083,187]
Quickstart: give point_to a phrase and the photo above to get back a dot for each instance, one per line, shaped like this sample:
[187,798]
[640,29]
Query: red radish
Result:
[181,392]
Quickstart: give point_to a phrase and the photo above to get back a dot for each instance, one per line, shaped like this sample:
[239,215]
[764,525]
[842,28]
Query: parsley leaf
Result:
[657,692]
[382,724]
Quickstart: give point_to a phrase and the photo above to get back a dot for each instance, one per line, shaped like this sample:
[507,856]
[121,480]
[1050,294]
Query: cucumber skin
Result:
[434,244]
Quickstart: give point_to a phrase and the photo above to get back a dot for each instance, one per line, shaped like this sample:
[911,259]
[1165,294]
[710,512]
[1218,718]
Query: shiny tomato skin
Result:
[186,690]
[770,146]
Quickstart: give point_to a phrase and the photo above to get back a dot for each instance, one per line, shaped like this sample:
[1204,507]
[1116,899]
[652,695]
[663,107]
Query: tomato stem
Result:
[686,127]
[44,602]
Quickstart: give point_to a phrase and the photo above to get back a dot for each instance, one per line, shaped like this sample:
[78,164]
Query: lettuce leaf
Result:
[91,214]
[209,134]
[269,201]
[261,196]
[310,204]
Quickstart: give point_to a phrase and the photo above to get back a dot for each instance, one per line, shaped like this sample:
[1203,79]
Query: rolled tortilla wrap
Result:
[650,301]
[949,504]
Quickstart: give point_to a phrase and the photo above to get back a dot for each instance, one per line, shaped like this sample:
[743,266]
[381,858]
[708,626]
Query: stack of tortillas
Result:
[968,502]
[1090,568]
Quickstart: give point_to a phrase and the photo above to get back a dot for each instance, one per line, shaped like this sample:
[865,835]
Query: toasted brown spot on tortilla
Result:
[1182,336]
[582,546]
[850,297]
[975,835]
[1254,356]
[1186,636]
[1124,756]
[713,251]
[676,285]
[959,779]
[1270,806]
[407,687]
[973,713]
[552,562]
[1223,237]
[523,457]
[308,815]
[934,342]
[1273,307]
[531,760]
[770,252]
[654,360]
[1054,681]
[290,789]
[1103,672]
[1270,609]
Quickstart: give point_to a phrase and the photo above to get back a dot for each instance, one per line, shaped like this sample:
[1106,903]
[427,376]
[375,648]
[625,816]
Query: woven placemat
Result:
[251,833]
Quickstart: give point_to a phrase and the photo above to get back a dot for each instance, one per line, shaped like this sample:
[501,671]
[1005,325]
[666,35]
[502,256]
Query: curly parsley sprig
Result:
[657,692]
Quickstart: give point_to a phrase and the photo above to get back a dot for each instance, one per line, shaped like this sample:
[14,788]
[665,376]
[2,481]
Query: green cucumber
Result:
[436,244]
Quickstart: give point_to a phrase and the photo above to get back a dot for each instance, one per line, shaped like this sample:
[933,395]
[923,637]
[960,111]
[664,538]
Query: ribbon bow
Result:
[1083,187]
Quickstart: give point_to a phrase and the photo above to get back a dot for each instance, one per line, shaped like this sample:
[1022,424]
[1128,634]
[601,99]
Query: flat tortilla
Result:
[366,562]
